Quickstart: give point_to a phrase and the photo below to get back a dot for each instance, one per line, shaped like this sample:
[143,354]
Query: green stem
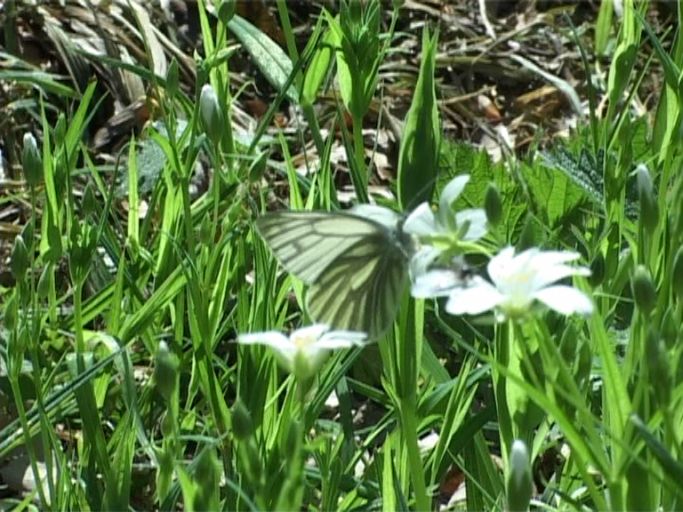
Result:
[34,348]
[359,156]
[10,27]
[504,339]
[307,110]
[409,431]
[26,429]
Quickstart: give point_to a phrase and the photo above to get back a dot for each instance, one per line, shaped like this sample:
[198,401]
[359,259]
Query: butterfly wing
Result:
[356,267]
[361,289]
[306,243]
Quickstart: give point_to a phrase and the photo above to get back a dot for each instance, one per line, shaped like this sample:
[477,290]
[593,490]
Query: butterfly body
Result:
[355,263]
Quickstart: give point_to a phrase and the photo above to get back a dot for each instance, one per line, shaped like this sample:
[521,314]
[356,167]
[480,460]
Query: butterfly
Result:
[355,263]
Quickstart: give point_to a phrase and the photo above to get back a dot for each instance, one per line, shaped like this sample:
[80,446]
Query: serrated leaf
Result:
[458,158]
[271,60]
[582,171]
[553,191]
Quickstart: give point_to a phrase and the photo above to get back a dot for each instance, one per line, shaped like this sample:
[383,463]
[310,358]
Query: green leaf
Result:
[620,71]
[419,153]
[456,157]
[46,81]
[317,69]
[583,171]
[673,469]
[602,26]
[273,62]
[553,191]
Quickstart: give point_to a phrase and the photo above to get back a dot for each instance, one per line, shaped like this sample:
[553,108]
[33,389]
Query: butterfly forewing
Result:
[357,268]
[307,242]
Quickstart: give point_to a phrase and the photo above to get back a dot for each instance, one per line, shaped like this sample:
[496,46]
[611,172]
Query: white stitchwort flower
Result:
[304,350]
[442,231]
[517,281]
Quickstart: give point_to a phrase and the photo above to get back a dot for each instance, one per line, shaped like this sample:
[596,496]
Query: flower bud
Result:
[10,316]
[677,274]
[493,205]
[597,270]
[172,78]
[657,359]
[19,259]
[206,231]
[43,288]
[643,289]
[211,113]
[292,439]
[258,167]
[89,204]
[649,210]
[568,344]
[242,424]
[519,481]
[226,10]
[585,363]
[27,234]
[32,161]
[207,478]
[83,242]
[165,371]
[669,327]
[527,238]
[168,425]
[59,133]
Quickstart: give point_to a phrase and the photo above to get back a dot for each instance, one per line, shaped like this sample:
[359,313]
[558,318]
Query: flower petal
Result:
[477,223]
[312,332]
[421,260]
[283,346]
[500,265]
[480,296]
[547,258]
[341,339]
[565,300]
[435,283]
[451,192]
[550,274]
[384,216]
[421,221]
[270,338]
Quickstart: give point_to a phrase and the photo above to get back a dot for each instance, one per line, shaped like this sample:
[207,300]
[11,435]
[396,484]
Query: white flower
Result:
[518,281]
[442,231]
[305,349]
[438,283]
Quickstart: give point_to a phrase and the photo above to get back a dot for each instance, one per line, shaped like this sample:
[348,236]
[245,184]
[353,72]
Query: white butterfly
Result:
[355,263]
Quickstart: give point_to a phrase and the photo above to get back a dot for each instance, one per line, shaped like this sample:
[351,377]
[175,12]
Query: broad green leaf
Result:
[317,69]
[48,82]
[552,191]
[419,153]
[271,60]
[602,25]
[620,71]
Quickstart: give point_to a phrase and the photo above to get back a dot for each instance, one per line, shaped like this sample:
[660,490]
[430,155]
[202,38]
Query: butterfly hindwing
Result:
[360,290]
[355,266]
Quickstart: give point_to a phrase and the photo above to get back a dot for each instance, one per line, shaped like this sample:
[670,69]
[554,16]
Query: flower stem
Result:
[409,431]
[504,339]
[359,156]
